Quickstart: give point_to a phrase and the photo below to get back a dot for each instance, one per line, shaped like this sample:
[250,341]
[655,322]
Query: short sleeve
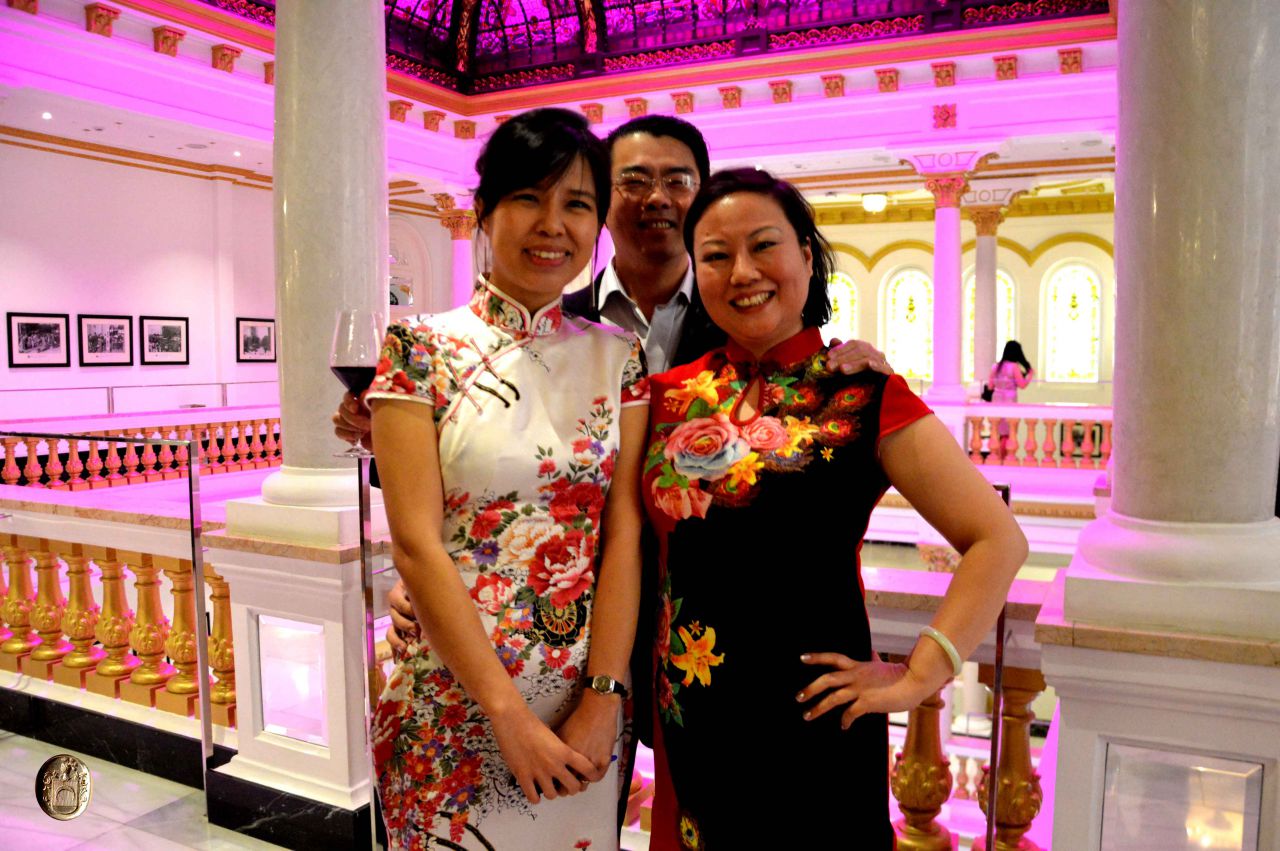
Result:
[411,366]
[635,377]
[899,407]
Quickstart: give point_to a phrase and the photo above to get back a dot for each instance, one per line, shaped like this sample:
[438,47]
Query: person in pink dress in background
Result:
[1009,374]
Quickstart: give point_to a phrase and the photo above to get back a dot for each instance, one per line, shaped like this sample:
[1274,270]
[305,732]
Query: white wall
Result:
[83,236]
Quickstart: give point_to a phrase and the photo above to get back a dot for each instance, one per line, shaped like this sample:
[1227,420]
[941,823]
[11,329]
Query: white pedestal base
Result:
[254,517]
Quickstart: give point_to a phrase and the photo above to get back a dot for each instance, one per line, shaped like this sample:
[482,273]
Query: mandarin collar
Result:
[501,310]
[789,352]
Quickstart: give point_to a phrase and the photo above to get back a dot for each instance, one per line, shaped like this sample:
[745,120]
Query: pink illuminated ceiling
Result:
[474,46]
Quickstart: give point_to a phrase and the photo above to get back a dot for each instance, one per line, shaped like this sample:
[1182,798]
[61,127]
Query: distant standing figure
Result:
[1009,374]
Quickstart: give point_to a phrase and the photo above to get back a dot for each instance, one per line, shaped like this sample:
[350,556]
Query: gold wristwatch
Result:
[605,684]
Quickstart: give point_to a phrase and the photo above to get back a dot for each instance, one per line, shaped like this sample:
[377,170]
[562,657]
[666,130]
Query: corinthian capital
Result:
[461,224]
[986,219]
[947,189]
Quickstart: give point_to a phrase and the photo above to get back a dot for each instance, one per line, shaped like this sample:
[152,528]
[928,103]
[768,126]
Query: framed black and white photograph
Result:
[163,339]
[39,339]
[255,340]
[105,340]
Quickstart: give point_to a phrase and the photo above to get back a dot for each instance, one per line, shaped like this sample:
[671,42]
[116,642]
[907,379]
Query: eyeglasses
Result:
[637,186]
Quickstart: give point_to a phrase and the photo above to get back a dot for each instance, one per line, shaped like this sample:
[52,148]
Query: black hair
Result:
[673,128]
[817,307]
[536,148]
[1013,354]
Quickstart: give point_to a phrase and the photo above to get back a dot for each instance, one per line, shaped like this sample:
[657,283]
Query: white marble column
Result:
[947,190]
[985,220]
[1190,542]
[330,192]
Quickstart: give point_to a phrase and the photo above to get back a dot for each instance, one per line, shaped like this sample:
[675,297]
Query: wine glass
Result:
[357,345]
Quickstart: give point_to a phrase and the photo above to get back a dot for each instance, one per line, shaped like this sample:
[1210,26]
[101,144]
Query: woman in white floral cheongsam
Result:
[508,436]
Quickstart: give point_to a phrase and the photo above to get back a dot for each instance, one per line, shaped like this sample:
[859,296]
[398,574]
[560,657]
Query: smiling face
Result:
[543,236]
[752,271]
[650,223]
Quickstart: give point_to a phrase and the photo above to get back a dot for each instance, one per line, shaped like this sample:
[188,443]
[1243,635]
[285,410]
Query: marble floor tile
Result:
[184,822]
[24,825]
[126,838]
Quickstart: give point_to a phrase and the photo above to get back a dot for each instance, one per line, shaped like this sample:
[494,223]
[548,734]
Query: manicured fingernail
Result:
[804,657]
[808,716]
[800,696]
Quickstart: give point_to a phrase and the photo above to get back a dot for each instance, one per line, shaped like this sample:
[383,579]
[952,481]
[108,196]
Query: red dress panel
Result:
[760,521]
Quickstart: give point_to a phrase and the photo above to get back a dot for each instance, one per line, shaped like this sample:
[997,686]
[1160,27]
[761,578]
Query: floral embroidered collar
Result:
[497,308]
[789,352]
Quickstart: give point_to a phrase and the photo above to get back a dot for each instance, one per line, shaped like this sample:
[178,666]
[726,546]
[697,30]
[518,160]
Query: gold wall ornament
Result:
[165,40]
[636,107]
[986,219]
[224,57]
[921,781]
[222,656]
[444,202]
[464,128]
[1071,60]
[399,110]
[683,102]
[594,112]
[151,628]
[1018,793]
[1006,67]
[461,224]
[833,85]
[730,97]
[944,115]
[781,90]
[99,17]
[19,598]
[947,189]
[80,617]
[116,619]
[887,79]
[944,74]
[63,787]
[46,615]
[431,120]
[269,73]
[29,6]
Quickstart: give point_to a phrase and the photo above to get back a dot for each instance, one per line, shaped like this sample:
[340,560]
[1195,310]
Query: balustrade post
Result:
[1018,793]
[132,474]
[273,445]
[149,458]
[1010,442]
[33,470]
[79,619]
[113,459]
[182,690]
[95,465]
[1086,446]
[213,454]
[19,599]
[182,455]
[242,446]
[75,467]
[975,439]
[1030,445]
[222,657]
[148,636]
[113,627]
[1105,447]
[1068,443]
[46,616]
[53,467]
[167,470]
[229,463]
[10,473]
[921,781]
[1048,447]
[256,446]
[5,632]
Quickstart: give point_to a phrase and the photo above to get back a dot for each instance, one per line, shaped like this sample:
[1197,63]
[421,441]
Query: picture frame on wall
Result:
[105,340]
[163,340]
[255,340]
[39,339]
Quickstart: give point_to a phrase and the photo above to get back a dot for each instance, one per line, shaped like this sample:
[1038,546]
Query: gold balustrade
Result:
[995,441]
[19,600]
[222,655]
[921,781]
[1018,793]
[136,455]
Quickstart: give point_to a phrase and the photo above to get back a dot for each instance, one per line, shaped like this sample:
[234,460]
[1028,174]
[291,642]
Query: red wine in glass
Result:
[356,378]
[357,345]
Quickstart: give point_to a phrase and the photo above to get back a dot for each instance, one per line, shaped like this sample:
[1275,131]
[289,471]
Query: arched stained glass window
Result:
[844,308]
[908,323]
[1005,313]
[1073,323]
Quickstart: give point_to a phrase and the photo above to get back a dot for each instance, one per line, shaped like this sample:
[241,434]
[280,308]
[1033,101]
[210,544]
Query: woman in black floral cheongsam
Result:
[762,469]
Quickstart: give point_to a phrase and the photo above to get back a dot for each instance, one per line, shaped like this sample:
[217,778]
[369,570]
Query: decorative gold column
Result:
[183,689]
[222,657]
[148,636]
[1018,794]
[46,616]
[921,781]
[5,632]
[18,602]
[79,620]
[113,627]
